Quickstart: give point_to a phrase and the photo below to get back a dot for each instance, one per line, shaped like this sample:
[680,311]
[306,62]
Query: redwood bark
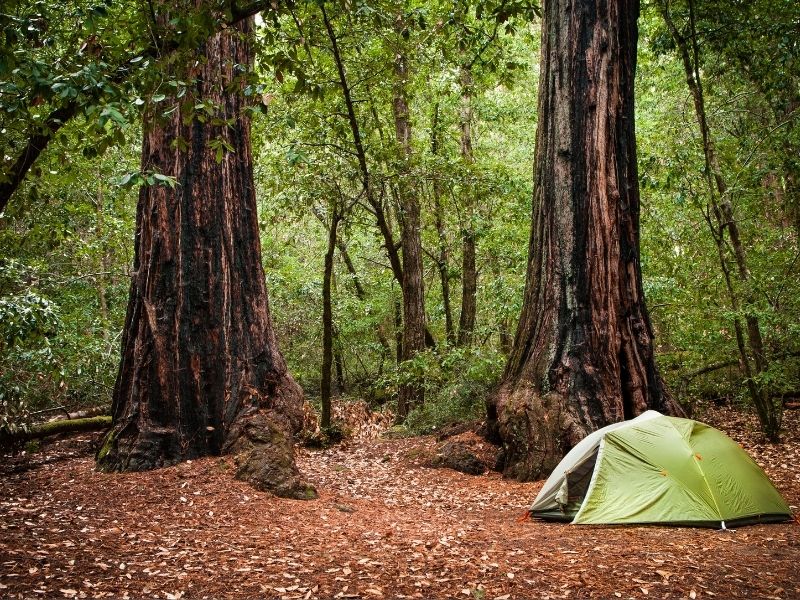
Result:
[200,371]
[583,352]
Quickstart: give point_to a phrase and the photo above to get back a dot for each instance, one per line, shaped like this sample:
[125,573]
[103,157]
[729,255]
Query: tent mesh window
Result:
[578,481]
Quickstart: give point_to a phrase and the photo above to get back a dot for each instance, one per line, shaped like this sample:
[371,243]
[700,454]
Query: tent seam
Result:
[697,465]
[600,449]
[678,482]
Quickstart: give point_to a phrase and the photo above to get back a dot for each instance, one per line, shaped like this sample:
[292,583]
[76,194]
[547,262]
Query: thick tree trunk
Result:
[469,271]
[327,322]
[583,353]
[201,372]
[411,394]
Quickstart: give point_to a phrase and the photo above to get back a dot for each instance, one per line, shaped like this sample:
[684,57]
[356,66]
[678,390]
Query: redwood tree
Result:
[201,373]
[583,353]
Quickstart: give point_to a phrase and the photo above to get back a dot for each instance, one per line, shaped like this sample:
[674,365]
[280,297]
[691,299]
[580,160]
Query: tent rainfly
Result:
[659,469]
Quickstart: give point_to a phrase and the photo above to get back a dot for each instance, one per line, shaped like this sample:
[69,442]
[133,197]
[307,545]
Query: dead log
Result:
[95,411]
[11,439]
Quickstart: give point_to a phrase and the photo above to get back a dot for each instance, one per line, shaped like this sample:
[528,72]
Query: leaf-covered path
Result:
[383,527]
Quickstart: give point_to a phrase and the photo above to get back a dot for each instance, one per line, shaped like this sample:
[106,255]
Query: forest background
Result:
[66,235]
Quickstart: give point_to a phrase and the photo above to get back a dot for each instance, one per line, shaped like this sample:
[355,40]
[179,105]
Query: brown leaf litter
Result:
[383,527]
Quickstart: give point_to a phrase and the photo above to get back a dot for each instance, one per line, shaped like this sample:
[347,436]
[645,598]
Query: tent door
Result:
[577,484]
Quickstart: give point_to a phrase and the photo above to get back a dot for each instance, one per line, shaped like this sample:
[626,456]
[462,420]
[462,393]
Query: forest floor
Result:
[383,527]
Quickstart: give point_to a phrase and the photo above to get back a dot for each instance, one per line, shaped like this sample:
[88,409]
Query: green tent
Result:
[659,469]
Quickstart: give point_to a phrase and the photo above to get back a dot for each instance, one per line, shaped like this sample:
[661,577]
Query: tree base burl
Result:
[536,430]
[260,442]
[263,452]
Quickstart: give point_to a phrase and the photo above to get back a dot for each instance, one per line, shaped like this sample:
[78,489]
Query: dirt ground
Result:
[383,527]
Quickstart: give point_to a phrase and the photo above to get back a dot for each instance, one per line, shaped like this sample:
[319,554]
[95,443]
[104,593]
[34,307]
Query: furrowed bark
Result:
[583,352]
[201,373]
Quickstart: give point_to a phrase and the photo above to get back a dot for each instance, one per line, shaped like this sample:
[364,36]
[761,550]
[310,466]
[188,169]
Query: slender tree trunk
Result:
[46,129]
[338,363]
[327,321]
[373,198]
[358,287]
[443,266]
[443,260]
[583,352]
[506,339]
[411,394]
[36,144]
[720,218]
[201,372]
[398,329]
[104,260]
[469,272]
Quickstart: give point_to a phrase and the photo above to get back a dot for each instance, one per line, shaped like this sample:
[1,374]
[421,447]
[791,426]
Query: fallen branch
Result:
[9,439]
[708,369]
[95,411]
[687,377]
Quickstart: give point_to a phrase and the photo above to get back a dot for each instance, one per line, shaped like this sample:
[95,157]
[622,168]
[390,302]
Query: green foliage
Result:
[456,385]
[63,294]
[25,318]
[27,323]
[753,135]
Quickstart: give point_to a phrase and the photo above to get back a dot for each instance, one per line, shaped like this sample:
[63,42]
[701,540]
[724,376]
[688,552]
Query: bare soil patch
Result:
[383,527]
